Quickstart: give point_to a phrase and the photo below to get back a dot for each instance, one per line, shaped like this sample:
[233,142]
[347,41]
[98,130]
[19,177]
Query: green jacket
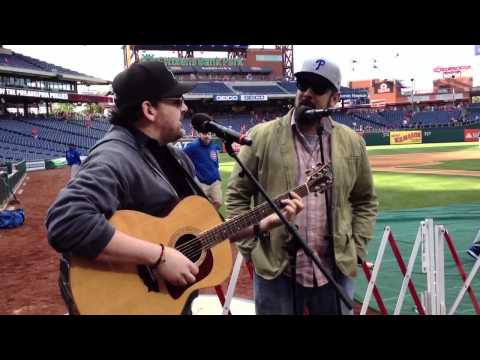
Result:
[273,161]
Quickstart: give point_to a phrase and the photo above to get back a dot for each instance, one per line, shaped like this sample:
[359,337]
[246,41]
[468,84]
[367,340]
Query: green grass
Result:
[432,145]
[420,148]
[225,159]
[407,191]
[468,165]
[226,167]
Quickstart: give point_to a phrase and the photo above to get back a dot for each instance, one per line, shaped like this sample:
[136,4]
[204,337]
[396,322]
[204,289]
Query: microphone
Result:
[204,123]
[307,113]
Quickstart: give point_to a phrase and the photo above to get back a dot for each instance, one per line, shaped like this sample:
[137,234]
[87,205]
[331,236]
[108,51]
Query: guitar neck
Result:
[221,232]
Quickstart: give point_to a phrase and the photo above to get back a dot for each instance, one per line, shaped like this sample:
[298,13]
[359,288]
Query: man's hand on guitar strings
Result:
[178,269]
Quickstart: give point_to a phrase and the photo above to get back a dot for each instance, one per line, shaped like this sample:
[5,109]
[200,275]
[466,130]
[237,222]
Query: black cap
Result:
[150,80]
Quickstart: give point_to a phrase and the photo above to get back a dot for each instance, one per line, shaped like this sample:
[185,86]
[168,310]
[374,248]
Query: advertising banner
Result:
[471,134]
[253,97]
[33,93]
[383,87]
[216,62]
[225,98]
[240,98]
[405,137]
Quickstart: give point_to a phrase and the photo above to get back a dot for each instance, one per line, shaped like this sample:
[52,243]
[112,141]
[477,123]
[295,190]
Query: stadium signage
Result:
[384,87]
[471,135]
[33,93]
[451,69]
[182,144]
[226,98]
[216,62]
[253,97]
[240,98]
[405,137]
[216,68]
[348,96]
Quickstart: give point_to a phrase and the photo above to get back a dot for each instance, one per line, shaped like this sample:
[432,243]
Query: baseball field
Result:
[406,176]
[412,181]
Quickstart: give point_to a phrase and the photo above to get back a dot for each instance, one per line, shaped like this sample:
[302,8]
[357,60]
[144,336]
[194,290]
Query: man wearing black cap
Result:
[133,167]
[283,149]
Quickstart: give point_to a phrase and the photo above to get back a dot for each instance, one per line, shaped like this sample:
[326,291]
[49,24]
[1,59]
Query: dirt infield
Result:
[405,163]
[29,266]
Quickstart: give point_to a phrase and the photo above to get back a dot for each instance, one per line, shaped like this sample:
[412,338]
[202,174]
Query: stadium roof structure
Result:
[15,63]
[191,47]
[475,91]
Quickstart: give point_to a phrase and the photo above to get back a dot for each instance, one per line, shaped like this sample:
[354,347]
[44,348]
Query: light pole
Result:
[453,91]
[413,87]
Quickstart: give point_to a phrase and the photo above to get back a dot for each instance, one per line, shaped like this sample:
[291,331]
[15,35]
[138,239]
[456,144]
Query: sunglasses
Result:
[317,88]
[178,102]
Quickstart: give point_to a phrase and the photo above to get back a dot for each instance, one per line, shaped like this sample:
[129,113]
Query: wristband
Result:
[161,259]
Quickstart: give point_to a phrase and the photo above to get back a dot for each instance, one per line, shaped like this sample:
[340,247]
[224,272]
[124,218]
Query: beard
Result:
[181,131]
[302,121]
[173,134]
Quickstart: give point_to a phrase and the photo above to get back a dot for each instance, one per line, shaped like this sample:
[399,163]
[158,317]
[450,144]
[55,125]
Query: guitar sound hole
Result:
[189,246]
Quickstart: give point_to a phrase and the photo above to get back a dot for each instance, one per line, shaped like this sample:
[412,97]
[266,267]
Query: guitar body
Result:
[111,288]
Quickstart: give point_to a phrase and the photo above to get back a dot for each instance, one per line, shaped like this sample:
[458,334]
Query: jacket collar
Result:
[128,135]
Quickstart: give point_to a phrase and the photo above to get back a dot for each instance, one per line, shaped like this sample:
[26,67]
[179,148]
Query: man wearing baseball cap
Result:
[283,150]
[133,167]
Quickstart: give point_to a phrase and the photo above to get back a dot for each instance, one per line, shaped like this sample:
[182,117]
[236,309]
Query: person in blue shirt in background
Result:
[73,159]
[204,155]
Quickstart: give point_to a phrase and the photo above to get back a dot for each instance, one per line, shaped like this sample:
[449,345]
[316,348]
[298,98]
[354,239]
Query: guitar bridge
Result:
[148,278]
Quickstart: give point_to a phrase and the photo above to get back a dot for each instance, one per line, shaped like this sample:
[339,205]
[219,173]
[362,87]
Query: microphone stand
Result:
[291,229]
[328,211]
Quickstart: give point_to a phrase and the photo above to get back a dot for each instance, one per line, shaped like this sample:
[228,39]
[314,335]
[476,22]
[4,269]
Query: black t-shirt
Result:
[171,168]
[168,164]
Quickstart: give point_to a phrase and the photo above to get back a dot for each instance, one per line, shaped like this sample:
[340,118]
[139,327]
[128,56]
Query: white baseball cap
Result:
[323,67]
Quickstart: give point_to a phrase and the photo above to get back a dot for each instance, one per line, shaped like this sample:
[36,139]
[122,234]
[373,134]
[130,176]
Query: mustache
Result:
[307,103]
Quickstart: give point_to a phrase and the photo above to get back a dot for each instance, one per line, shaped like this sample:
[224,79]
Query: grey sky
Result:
[413,61]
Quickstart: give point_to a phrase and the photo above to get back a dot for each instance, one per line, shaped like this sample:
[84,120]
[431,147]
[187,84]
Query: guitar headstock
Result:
[319,178]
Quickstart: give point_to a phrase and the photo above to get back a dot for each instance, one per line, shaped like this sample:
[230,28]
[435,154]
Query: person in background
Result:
[73,159]
[204,155]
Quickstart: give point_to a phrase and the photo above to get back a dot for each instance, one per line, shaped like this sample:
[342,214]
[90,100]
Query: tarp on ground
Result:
[462,222]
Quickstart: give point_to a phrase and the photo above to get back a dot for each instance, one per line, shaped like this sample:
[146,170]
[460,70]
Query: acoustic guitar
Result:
[194,228]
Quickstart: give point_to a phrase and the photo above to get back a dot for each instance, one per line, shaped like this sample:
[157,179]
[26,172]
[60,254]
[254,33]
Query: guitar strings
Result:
[191,247]
[195,246]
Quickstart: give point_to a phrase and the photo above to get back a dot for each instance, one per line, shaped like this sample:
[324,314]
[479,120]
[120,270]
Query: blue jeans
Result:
[274,297]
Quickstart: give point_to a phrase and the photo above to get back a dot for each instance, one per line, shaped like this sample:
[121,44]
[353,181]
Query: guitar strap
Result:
[64,284]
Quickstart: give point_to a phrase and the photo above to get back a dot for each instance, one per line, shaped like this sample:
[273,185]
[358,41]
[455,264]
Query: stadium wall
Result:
[441,135]
[8,185]
[377,138]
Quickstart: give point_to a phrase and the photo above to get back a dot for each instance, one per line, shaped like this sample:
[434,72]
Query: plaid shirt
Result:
[312,221]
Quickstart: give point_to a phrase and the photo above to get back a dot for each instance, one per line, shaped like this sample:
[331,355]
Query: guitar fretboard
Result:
[223,231]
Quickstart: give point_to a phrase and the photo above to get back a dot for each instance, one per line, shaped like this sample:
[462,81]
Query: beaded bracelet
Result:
[161,259]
